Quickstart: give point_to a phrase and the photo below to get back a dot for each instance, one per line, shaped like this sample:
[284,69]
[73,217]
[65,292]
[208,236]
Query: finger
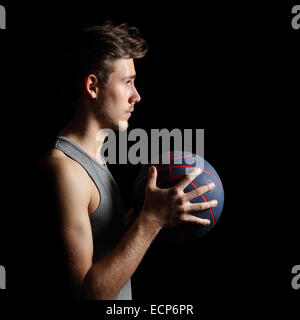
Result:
[152,177]
[199,191]
[186,180]
[196,207]
[188,218]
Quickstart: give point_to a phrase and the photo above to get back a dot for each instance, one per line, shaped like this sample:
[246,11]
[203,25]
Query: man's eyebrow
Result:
[130,77]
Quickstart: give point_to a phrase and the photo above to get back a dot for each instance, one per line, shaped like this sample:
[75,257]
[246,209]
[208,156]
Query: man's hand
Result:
[171,206]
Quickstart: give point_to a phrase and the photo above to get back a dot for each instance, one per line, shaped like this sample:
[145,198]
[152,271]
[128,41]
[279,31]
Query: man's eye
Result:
[128,82]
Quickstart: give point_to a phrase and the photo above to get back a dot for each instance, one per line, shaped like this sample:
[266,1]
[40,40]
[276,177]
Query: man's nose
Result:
[135,97]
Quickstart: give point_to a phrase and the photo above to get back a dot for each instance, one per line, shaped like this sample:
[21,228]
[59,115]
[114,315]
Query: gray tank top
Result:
[107,222]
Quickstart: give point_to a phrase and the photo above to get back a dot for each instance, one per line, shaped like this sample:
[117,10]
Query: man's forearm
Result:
[107,276]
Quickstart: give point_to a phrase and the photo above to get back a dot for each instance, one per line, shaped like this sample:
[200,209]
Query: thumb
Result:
[152,176]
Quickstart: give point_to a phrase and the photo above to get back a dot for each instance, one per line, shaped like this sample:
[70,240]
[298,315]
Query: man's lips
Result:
[129,112]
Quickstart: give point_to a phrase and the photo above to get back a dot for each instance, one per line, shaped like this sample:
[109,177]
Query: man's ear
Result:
[91,86]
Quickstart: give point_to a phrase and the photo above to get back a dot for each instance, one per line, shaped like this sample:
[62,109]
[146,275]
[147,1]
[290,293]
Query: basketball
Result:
[171,168]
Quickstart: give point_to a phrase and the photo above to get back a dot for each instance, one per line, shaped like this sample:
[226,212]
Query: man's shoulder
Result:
[64,174]
[57,164]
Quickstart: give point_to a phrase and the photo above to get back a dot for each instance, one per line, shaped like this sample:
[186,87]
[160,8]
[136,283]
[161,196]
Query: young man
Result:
[100,257]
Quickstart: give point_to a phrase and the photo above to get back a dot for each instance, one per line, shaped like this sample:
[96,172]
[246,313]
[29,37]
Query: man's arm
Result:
[105,278]
[72,194]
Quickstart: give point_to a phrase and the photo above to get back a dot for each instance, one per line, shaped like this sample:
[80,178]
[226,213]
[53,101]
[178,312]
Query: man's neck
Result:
[84,130]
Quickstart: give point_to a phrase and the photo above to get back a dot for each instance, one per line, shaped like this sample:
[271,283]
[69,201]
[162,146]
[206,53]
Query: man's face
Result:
[118,96]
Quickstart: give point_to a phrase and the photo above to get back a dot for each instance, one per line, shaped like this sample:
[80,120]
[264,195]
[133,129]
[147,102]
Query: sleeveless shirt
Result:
[107,221]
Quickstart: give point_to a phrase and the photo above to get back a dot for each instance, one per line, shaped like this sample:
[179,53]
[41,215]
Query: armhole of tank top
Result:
[95,214]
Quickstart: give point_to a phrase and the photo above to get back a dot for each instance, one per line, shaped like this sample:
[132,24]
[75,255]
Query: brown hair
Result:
[94,51]
[109,42]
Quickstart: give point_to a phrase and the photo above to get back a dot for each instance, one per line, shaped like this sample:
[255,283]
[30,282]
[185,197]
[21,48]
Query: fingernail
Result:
[215,203]
[207,222]
[197,171]
[212,185]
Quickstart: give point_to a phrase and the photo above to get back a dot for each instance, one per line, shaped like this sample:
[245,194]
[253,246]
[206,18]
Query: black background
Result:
[227,68]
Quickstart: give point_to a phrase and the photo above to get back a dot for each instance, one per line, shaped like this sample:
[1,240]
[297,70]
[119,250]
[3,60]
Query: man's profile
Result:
[99,252]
